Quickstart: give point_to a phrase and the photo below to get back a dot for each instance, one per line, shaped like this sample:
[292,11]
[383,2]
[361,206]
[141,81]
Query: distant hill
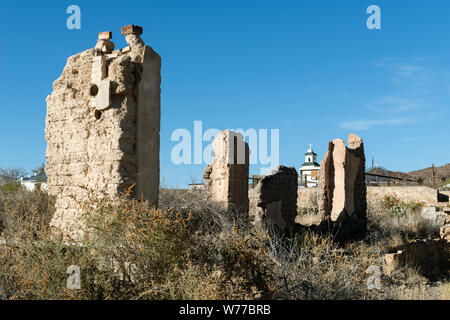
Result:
[425,175]
[442,174]
[386,172]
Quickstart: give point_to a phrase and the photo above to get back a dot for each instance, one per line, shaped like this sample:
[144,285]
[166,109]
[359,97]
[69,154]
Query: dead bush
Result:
[24,214]
[394,218]
[314,267]
[189,248]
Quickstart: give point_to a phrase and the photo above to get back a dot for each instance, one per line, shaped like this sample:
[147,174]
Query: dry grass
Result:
[392,218]
[189,248]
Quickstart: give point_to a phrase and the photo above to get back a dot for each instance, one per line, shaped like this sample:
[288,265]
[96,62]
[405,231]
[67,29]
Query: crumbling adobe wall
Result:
[445,229]
[431,257]
[273,201]
[102,128]
[226,179]
[342,189]
[409,194]
[375,195]
[307,198]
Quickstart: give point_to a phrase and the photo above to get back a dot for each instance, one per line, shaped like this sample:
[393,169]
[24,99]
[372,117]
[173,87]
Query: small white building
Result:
[197,186]
[309,172]
[31,183]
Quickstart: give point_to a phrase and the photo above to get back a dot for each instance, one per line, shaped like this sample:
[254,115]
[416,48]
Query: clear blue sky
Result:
[308,68]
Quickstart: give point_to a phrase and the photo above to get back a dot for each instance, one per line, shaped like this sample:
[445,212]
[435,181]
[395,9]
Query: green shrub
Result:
[11,187]
[396,207]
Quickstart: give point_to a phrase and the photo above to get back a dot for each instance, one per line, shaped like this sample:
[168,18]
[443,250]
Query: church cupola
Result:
[309,172]
[310,157]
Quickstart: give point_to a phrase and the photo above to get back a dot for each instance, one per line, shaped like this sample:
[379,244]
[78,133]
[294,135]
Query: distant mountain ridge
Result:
[425,175]
[386,172]
[443,171]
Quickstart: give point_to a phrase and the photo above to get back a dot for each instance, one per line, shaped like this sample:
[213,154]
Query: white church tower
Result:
[309,172]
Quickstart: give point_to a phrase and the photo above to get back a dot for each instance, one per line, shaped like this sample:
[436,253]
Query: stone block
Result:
[104,46]
[103,97]
[99,70]
[132,29]
[106,35]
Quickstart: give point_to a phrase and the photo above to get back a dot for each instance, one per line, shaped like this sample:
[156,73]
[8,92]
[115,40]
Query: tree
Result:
[11,175]
[40,173]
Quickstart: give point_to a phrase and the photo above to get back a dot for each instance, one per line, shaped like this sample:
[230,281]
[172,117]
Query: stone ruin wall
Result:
[102,131]
[307,198]
[342,178]
[341,197]
[342,202]
[431,257]
[445,229]
[273,201]
[226,179]
[102,128]
[408,194]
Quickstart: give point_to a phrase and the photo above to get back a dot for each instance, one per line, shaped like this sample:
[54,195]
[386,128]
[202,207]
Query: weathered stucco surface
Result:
[431,257]
[409,194]
[226,179]
[445,229]
[273,201]
[102,128]
[307,198]
[342,205]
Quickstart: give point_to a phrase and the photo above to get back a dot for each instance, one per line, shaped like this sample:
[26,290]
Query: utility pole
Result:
[372,162]
[433,175]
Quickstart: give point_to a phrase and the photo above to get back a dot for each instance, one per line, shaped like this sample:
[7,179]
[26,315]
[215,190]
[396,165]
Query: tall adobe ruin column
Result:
[102,128]
[342,187]
[226,179]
